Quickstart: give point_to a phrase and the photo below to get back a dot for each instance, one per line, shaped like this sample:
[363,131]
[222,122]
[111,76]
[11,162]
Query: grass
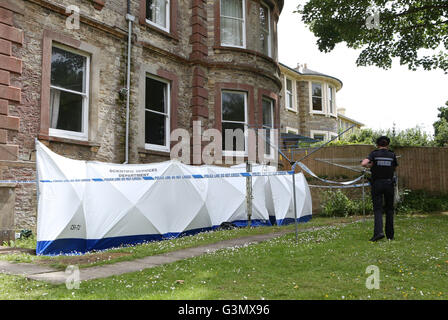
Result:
[329,263]
[152,248]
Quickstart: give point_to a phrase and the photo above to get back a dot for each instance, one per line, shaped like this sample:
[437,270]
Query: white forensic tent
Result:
[86,205]
[282,200]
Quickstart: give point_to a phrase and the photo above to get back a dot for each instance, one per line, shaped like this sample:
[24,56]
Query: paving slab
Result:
[23,268]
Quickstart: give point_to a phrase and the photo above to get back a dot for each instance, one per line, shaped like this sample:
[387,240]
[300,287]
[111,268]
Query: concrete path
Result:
[36,272]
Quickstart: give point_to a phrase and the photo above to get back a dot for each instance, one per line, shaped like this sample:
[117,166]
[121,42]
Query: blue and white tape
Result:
[149,178]
[341,187]
[345,183]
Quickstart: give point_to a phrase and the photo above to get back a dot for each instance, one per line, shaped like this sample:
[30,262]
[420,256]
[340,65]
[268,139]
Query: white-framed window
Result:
[332,135]
[290,100]
[233,23]
[69,93]
[234,122]
[158,13]
[319,135]
[268,126]
[265,29]
[317,104]
[157,114]
[331,100]
[292,130]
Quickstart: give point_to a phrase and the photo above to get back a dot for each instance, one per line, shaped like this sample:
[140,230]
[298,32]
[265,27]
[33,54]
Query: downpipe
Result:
[130,18]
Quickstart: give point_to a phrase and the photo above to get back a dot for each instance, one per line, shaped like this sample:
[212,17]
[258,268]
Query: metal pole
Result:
[295,202]
[363,197]
[249,194]
[336,137]
[37,176]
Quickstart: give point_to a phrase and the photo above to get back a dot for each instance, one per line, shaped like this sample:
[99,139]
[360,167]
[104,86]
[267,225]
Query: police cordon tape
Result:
[341,187]
[149,178]
[344,183]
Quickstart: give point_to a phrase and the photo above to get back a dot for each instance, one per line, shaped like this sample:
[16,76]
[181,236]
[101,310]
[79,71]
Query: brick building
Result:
[64,80]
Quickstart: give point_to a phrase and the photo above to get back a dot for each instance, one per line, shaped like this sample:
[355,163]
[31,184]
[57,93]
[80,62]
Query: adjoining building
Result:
[64,80]
[346,122]
[308,106]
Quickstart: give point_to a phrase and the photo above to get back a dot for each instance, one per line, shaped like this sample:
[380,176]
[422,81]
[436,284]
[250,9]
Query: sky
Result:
[376,97]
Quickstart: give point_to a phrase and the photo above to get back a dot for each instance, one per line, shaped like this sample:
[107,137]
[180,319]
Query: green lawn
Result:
[329,263]
[156,247]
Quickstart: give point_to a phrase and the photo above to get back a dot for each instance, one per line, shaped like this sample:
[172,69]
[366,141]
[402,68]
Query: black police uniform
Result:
[382,184]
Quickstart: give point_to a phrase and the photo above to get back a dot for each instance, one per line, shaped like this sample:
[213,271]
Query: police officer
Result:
[382,162]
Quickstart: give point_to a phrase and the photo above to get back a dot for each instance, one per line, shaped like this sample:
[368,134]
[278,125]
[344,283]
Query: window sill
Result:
[92,145]
[291,110]
[145,151]
[162,32]
[318,113]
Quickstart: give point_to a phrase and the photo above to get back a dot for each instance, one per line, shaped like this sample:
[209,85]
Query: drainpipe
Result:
[130,18]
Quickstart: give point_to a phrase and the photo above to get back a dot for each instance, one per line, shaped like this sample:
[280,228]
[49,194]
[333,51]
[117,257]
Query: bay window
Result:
[233,23]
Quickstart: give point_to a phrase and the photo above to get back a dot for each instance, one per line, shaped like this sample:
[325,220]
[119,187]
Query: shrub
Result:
[337,204]
[421,201]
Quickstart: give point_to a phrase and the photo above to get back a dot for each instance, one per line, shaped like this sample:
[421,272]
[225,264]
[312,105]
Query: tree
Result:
[441,127]
[415,31]
[410,137]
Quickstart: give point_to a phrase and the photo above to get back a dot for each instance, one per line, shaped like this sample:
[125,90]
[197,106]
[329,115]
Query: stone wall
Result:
[188,56]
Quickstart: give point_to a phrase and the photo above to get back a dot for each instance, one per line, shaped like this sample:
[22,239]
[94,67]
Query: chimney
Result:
[341,111]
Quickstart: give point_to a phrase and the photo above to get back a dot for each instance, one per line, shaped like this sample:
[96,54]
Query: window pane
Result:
[156,12]
[68,70]
[236,134]
[268,142]
[155,95]
[231,32]
[289,101]
[289,85]
[317,90]
[66,110]
[319,137]
[330,99]
[317,104]
[264,26]
[155,130]
[264,42]
[267,114]
[232,8]
[264,19]
[233,106]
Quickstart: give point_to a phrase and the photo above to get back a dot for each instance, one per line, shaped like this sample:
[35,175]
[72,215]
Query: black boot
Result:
[377,237]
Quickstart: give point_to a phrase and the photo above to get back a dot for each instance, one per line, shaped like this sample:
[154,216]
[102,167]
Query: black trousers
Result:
[383,189]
